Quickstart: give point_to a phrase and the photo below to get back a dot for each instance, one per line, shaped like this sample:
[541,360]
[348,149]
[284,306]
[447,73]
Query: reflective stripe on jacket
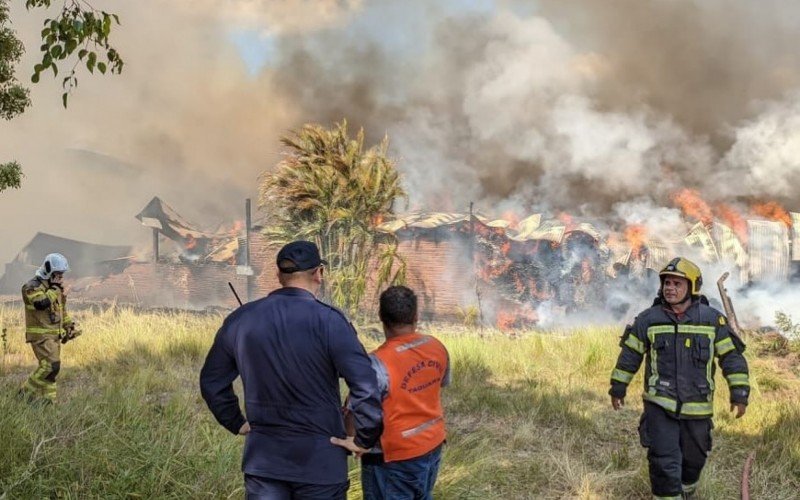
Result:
[413,418]
[48,321]
[679,359]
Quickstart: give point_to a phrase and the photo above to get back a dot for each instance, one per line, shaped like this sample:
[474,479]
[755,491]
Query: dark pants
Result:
[411,479]
[264,488]
[676,450]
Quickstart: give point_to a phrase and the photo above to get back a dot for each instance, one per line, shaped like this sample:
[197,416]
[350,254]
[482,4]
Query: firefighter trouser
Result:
[676,450]
[42,382]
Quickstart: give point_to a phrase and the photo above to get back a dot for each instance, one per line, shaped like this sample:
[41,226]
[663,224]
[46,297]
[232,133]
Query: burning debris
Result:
[193,244]
[527,267]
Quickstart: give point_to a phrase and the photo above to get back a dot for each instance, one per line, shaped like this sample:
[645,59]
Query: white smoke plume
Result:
[597,109]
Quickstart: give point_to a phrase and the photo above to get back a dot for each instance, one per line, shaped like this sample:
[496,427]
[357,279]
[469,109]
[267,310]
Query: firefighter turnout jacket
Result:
[45,310]
[679,357]
[46,323]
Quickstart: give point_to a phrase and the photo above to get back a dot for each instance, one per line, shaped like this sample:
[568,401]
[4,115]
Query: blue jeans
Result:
[404,480]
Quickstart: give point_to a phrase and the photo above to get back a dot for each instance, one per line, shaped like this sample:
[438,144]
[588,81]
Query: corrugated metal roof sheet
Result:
[215,247]
[550,230]
[423,220]
[768,244]
[526,227]
[700,237]
[659,254]
[730,248]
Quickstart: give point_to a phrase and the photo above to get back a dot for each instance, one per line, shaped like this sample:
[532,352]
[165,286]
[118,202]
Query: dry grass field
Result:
[528,418]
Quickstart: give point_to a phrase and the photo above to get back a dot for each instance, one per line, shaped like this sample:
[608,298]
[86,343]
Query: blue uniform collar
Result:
[293,292]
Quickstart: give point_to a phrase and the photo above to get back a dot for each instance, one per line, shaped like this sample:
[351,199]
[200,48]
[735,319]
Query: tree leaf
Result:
[64,99]
[102,67]
[106,24]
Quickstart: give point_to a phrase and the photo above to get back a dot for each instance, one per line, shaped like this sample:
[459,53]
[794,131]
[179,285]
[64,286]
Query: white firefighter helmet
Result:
[53,263]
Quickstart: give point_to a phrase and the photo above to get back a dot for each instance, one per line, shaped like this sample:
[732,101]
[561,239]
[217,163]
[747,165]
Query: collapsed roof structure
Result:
[85,259]
[767,253]
[195,244]
[574,264]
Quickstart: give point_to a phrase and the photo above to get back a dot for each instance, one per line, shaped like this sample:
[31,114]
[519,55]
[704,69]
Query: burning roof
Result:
[195,244]
[527,229]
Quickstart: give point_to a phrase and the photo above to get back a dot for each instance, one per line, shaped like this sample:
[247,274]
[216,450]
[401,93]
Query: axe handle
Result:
[727,304]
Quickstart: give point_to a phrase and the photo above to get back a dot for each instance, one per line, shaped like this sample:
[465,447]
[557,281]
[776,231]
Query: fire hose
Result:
[746,475]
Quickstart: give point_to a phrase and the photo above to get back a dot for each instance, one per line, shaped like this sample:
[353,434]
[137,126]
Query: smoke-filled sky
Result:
[596,108]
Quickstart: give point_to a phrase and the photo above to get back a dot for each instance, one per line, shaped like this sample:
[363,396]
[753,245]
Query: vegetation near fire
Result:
[331,190]
[528,417]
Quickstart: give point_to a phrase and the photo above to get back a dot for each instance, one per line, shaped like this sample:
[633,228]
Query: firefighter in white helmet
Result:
[47,325]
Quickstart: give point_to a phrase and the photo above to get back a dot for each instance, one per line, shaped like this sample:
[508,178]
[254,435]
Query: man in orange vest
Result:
[411,368]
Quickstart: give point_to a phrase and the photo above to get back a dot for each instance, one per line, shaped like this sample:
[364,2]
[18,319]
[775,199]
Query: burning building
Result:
[515,271]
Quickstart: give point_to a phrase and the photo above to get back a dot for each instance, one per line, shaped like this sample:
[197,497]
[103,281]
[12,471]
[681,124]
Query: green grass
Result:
[528,417]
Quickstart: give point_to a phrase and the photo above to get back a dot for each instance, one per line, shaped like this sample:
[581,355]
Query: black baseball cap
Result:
[303,254]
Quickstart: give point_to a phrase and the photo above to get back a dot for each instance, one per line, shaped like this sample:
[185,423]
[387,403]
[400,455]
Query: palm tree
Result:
[330,190]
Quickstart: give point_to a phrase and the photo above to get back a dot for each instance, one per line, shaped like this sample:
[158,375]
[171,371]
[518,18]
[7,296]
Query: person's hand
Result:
[349,444]
[244,429]
[617,403]
[739,409]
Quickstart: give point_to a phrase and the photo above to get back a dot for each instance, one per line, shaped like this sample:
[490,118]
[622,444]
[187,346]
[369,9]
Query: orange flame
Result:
[377,219]
[692,205]
[773,211]
[734,220]
[505,320]
[636,236]
[512,218]
[567,220]
[191,242]
[520,317]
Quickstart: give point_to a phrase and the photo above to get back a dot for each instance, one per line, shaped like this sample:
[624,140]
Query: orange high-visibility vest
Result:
[413,419]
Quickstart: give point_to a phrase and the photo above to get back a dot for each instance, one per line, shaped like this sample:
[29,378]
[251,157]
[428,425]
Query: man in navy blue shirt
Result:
[290,350]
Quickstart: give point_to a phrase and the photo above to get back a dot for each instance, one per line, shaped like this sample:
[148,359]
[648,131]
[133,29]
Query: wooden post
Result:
[247,223]
[155,245]
[471,233]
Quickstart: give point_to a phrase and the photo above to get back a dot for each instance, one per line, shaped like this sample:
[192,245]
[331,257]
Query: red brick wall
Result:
[166,284]
[439,271]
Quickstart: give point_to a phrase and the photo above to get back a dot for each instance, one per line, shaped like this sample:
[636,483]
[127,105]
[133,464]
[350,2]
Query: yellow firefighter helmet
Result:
[684,268]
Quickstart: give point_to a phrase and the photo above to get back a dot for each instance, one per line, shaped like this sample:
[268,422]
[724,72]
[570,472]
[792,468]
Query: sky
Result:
[529,106]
